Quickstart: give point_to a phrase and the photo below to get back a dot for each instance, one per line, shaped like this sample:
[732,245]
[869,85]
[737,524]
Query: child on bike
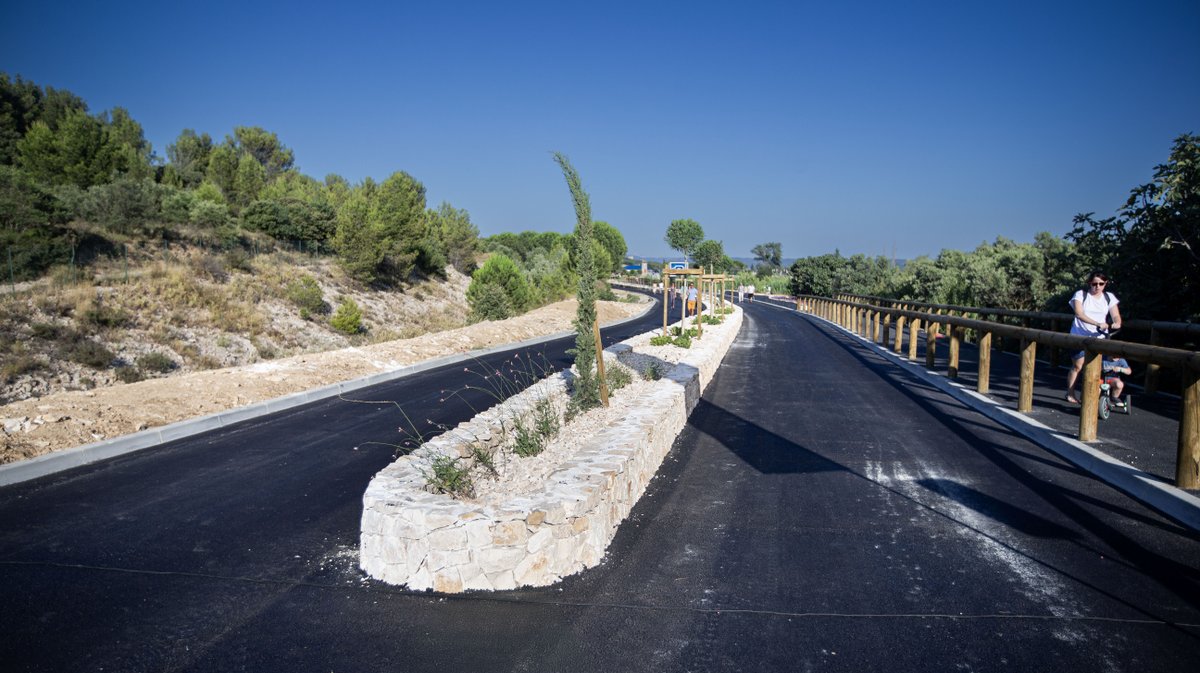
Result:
[1112,368]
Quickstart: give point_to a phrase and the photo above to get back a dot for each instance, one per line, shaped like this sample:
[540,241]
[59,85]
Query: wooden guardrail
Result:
[875,322]
[1058,321]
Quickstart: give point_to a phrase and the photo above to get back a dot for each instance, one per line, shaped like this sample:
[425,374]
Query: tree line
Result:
[70,179]
[1150,249]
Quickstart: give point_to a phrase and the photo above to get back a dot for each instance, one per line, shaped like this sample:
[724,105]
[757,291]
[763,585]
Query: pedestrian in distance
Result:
[1093,307]
[692,293]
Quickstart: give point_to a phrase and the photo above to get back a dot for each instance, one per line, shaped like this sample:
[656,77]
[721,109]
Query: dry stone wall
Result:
[432,541]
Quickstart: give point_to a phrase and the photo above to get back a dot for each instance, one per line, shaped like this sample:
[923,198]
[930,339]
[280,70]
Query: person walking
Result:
[1093,306]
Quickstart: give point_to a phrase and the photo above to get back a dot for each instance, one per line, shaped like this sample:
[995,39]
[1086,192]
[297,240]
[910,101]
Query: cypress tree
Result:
[587,386]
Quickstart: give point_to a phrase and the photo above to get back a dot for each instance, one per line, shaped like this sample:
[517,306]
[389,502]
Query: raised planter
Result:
[433,541]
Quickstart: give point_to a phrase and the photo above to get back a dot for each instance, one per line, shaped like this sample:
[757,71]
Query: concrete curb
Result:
[58,461]
[1175,503]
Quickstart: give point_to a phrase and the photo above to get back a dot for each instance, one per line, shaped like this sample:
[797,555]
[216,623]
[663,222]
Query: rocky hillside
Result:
[201,311]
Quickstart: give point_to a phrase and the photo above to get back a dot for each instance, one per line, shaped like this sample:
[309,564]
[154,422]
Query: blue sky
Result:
[868,127]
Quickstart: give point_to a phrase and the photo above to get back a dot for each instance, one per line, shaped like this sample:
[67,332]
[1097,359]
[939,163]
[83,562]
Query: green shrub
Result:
[209,214]
[89,353]
[447,475]
[305,293]
[545,420]
[683,341]
[129,374]
[527,441]
[491,302]
[484,459]
[499,271]
[46,330]
[653,371]
[617,378]
[23,364]
[348,318]
[100,315]
[660,340]
[156,363]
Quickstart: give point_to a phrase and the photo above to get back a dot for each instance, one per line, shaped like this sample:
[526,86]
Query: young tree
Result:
[587,386]
[710,254]
[684,235]
[398,215]
[514,297]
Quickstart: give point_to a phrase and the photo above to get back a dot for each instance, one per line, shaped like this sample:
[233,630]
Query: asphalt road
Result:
[823,510]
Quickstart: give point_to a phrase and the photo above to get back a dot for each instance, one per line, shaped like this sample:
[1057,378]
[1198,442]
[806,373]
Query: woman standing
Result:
[1092,305]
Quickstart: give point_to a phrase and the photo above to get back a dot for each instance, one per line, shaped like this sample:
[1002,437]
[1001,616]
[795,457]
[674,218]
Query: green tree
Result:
[769,255]
[456,235]
[222,169]
[22,103]
[614,244]
[684,235]
[587,385]
[76,153]
[710,255]
[249,180]
[265,147]
[503,273]
[189,156]
[132,153]
[1151,248]
[817,275]
[348,318]
[359,246]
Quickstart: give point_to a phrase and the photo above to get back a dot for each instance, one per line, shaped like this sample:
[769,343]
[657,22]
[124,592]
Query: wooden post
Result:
[1187,462]
[955,342]
[1028,362]
[1151,384]
[600,363]
[886,331]
[666,297]
[1090,406]
[914,329]
[983,380]
[931,334]
[898,345]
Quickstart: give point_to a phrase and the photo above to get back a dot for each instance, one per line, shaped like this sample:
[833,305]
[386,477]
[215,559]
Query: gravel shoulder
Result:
[34,427]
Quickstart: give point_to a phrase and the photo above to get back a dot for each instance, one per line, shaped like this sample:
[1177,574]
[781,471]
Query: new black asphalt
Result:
[823,510]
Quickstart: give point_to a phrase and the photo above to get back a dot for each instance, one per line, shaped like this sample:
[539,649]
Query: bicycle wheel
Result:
[1105,409]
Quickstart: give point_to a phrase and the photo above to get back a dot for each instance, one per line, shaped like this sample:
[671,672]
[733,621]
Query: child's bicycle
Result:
[1107,405]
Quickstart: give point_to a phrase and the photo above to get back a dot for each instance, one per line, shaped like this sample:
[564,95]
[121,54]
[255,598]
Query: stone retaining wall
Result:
[432,541]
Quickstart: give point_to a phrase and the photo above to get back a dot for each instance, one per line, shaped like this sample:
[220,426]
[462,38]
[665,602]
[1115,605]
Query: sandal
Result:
[1071,399]
[1117,404]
